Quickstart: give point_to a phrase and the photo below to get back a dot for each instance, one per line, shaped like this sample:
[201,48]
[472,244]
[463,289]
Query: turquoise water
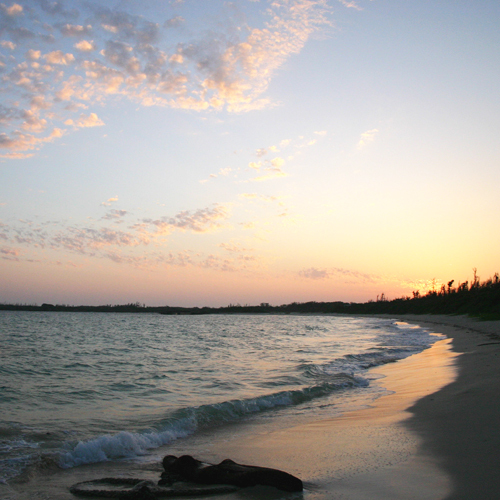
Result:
[89,387]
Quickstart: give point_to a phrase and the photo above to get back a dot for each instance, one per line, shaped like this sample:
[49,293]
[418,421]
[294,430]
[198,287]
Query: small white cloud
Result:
[85,46]
[87,121]
[111,29]
[255,165]
[367,137]
[109,201]
[58,57]
[177,58]
[33,55]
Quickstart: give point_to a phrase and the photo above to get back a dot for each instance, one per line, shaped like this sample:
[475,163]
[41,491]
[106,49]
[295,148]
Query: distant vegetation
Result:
[476,299]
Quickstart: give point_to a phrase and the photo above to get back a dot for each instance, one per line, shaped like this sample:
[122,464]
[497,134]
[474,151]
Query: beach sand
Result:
[434,437]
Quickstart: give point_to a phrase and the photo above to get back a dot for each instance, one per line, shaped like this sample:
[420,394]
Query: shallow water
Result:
[83,388]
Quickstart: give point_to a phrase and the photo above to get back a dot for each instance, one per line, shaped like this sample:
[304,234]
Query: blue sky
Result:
[196,153]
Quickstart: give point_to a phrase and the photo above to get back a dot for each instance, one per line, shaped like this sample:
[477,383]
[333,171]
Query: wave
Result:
[187,421]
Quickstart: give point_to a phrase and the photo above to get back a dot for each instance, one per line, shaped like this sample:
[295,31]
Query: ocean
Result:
[88,388]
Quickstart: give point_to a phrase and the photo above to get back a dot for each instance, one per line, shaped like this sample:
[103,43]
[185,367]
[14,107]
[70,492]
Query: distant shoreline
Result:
[480,299]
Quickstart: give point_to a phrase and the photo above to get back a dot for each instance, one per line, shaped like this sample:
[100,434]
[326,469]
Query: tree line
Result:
[475,298]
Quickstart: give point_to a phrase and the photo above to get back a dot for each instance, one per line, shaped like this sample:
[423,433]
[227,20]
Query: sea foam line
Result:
[187,421]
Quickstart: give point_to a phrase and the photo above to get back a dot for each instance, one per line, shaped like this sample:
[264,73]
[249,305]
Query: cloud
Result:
[255,165]
[109,201]
[33,55]
[367,137]
[315,273]
[85,240]
[91,120]
[350,4]
[115,215]
[19,141]
[10,253]
[75,30]
[198,221]
[225,264]
[32,122]
[7,45]
[14,10]
[271,169]
[229,65]
[58,57]
[233,247]
[142,244]
[85,46]
[277,163]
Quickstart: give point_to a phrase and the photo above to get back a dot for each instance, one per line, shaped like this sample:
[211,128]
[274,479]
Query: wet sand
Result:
[434,437]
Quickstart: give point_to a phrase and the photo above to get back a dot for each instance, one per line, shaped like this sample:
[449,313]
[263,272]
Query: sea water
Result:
[82,388]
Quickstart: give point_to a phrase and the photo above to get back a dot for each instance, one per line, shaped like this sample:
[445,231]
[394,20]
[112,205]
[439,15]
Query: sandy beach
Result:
[432,437]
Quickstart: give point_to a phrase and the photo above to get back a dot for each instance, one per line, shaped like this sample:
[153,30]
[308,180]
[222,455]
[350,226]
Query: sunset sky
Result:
[203,152]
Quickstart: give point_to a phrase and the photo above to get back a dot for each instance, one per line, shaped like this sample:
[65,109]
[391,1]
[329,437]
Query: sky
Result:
[206,152]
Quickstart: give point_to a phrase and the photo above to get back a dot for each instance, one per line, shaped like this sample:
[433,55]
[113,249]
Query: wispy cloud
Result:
[266,163]
[269,169]
[144,244]
[115,215]
[331,273]
[98,239]
[198,221]
[350,4]
[10,253]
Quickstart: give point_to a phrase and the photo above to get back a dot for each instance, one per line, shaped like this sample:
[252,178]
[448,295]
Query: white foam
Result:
[121,445]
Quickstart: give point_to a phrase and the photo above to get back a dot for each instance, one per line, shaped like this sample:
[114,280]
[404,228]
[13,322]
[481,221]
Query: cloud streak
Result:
[335,273]
[101,240]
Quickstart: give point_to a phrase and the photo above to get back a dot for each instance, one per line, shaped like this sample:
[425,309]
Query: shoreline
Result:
[368,453]
[459,424]
[432,438]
